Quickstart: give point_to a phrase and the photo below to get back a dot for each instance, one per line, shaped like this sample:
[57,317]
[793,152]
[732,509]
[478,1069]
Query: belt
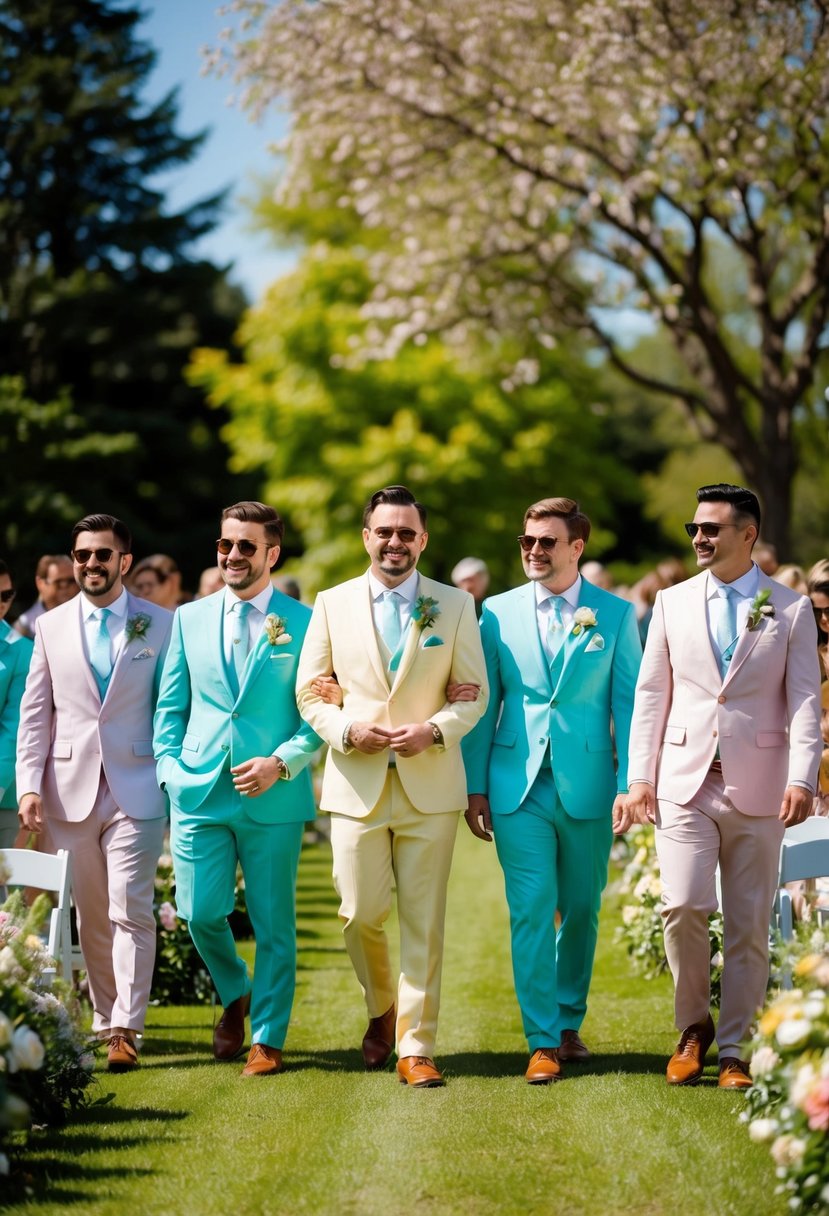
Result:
[716,766]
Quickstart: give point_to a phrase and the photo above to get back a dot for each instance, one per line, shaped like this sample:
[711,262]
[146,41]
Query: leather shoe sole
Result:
[419,1072]
[263,1061]
[229,1032]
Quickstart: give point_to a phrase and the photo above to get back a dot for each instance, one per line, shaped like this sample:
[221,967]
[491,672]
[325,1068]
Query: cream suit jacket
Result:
[764,716]
[341,638]
[67,735]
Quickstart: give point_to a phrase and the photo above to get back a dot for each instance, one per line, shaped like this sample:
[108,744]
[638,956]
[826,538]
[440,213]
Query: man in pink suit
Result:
[86,773]
[724,752]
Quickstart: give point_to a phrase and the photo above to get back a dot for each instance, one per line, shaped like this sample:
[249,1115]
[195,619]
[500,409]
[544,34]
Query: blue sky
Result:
[236,150]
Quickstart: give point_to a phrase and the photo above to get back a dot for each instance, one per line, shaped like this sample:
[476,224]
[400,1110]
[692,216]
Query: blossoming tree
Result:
[559,164]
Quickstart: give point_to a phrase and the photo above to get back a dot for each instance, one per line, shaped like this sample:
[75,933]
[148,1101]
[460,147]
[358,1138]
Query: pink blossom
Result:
[167,916]
[816,1106]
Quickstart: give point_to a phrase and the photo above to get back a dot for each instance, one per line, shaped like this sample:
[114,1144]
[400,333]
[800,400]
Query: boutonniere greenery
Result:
[425,612]
[760,607]
[583,618]
[138,626]
[276,627]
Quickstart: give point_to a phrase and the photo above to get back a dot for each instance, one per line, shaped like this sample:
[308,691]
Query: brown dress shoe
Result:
[121,1055]
[572,1047]
[378,1041]
[263,1061]
[543,1067]
[229,1032]
[686,1064]
[419,1072]
[734,1074]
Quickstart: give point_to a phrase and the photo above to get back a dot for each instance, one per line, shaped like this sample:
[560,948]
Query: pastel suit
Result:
[15,656]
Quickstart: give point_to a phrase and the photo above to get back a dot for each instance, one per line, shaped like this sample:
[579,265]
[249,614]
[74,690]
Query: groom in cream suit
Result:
[724,752]
[85,771]
[394,777]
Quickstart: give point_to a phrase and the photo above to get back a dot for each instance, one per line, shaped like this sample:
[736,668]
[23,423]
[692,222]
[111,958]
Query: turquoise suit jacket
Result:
[15,656]
[565,709]
[202,725]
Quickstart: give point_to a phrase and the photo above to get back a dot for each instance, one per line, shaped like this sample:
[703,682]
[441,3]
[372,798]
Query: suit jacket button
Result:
[721,700]
[236,715]
[715,734]
[225,747]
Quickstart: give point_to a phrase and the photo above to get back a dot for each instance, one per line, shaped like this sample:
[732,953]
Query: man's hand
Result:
[256,775]
[462,692]
[369,738]
[640,803]
[411,739]
[796,805]
[30,813]
[327,688]
[622,815]
[478,818]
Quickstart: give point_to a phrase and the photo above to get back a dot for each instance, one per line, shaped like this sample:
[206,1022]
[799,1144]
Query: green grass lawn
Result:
[188,1135]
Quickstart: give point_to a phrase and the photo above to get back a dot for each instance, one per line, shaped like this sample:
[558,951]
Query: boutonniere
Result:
[425,612]
[760,607]
[138,626]
[583,618]
[276,629]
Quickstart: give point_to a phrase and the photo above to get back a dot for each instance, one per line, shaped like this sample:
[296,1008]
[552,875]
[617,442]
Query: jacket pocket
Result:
[505,738]
[771,738]
[62,749]
[674,734]
[190,743]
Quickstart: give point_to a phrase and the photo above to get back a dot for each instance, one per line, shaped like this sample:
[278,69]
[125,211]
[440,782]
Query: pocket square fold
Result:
[146,653]
[433,640]
[595,643]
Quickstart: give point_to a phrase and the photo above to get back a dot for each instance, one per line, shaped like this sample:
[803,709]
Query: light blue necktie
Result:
[390,627]
[100,649]
[241,637]
[726,632]
[555,625]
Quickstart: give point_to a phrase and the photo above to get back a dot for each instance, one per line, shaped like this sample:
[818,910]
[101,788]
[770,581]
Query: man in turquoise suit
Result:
[232,754]
[562,658]
[15,656]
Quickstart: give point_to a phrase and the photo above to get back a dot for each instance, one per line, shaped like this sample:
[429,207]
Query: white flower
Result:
[583,618]
[763,1061]
[8,963]
[788,1150]
[762,1129]
[27,1052]
[793,1032]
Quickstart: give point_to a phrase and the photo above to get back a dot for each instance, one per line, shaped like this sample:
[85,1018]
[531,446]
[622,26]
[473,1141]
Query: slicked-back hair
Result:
[567,509]
[258,513]
[393,496]
[744,503]
[104,523]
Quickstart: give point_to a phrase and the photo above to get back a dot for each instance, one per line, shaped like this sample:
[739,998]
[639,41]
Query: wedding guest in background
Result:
[287,585]
[598,574]
[55,584]
[817,584]
[172,593]
[793,577]
[210,580]
[147,582]
[15,656]
[765,556]
[472,574]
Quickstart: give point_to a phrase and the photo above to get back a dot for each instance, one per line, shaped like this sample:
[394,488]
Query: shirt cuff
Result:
[638,781]
[804,785]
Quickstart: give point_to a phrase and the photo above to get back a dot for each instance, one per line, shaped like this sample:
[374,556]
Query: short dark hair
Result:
[4,569]
[393,496]
[258,513]
[104,523]
[567,509]
[50,559]
[744,503]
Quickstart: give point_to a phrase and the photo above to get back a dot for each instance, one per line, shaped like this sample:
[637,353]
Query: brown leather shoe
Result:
[263,1061]
[378,1041]
[572,1048]
[121,1055]
[229,1031]
[543,1067]
[686,1064]
[419,1072]
[734,1074]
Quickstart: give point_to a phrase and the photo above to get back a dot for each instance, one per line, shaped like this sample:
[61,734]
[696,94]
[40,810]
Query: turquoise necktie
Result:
[241,638]
[726,632]
[390,627]
[100,649]
[555,625]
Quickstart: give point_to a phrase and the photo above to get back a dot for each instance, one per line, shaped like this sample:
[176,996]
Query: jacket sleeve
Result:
[627,657]
[34,735]
[19,656]
[173,708]
[654,693]
[478,743]
[468,667]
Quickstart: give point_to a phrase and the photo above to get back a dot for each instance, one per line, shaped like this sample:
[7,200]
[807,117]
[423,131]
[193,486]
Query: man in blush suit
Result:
[85,772]
[562,658]
[232,754]
[15,656]
[724,753]
[394,780]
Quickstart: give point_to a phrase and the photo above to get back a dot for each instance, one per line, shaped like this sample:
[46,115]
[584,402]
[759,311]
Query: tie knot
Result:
[101,614]
[243,608]
[726,592]
[555,602]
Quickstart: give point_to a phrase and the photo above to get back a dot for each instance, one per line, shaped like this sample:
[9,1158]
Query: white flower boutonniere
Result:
[583,618]
[425,612]
[138,626]
[276,629]
[760,607]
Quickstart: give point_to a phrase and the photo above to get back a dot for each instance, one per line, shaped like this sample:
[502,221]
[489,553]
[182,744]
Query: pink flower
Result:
[167,916]
[816,1106]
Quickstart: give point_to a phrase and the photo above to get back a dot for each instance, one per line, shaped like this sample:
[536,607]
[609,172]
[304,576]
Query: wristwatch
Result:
[437,734]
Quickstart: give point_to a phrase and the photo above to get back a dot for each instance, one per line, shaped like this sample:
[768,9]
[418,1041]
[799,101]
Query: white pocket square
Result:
[146,653]
[595,643]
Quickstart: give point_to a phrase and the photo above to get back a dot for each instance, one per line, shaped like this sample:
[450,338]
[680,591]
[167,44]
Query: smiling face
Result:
[100,581]
[728,554]
[247,575]
[394,540]
[556,568]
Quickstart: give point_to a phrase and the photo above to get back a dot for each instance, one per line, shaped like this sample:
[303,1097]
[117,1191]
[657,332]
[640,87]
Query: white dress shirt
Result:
[115,623]
[256,618]
[746,588]
[407,591]
[543,607]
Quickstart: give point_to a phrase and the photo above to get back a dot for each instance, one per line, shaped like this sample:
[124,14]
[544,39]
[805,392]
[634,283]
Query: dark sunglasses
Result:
[82,556]
[247,548]
[8,594]
[528,543]
[709,530]
[407,535]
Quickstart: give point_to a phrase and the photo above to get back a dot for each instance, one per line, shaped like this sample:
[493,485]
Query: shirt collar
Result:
[117,607]
[745,585]
[260,602]
[571,595]
[407,589]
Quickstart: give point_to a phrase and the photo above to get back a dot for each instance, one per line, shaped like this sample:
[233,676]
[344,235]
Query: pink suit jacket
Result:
[67,735]
[764,716]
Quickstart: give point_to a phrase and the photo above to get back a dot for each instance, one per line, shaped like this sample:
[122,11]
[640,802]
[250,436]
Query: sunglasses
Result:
[247,548]
[407,535]
[82,556]
[8,595]
[709,530]
[528,543]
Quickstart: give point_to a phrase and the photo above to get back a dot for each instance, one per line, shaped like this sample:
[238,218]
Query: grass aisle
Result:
[187,1135]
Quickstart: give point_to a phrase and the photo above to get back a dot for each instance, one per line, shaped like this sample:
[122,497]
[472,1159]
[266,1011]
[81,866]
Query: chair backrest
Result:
[804,852]
[816,827]
[47,872]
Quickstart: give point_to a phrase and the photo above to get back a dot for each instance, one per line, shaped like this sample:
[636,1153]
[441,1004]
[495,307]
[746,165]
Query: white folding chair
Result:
[804,854]
[49,872]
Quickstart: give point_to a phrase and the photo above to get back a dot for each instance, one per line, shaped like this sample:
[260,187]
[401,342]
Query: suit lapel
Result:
[537,659]
[575,643]
[412,640]
[259,654]
[364,628]
[77,645]
[749,637]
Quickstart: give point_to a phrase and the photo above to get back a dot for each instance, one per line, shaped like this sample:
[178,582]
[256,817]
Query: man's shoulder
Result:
[58,618]
[341,591]
[155,611]
[23,646]
[683,591]
[506,601]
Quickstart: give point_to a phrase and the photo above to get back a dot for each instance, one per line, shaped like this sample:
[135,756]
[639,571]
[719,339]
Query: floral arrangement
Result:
[425,612]
[583,618]
[276,628]
[759,608]
[641,929]
[137,626]
[788,1105]
[45,1061]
